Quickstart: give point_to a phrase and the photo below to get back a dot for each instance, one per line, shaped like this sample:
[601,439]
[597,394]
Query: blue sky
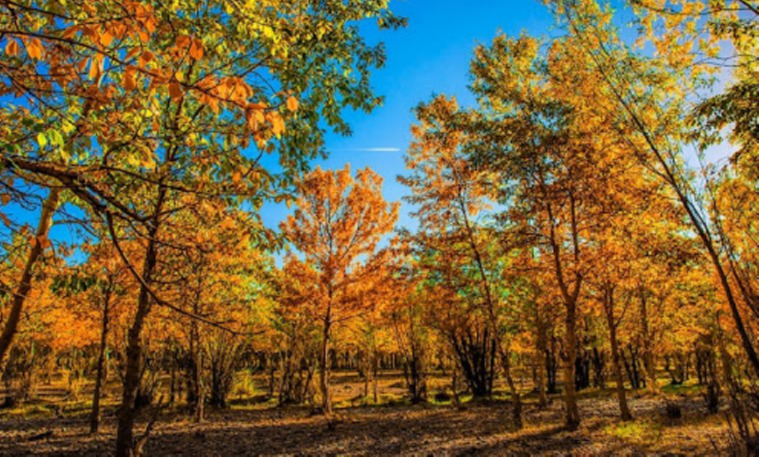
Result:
[430,56]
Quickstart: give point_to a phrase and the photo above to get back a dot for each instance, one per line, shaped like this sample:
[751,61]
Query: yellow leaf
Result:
[106,38]
[292,104]
[94,70]
[34,48]
[277,124]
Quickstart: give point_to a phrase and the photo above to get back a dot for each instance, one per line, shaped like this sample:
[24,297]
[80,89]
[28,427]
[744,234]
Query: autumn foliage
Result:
[572,228]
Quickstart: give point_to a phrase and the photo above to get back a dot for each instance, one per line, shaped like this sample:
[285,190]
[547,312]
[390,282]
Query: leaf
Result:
[11,49]
[145,58]
[129,82]
[34,48]
[292,104]
[70,32]
[175,90]
[132,52]
[196,49]
[5,198]
[94,73]
[41,140]
[56,138]
[277,124]
[106,39]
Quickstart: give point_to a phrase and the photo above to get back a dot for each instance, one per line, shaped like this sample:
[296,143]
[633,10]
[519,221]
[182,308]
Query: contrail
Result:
[369,150]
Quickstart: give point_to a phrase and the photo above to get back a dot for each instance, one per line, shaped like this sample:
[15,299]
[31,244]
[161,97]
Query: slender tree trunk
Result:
[375,376]
[200,391]
[540,366]
[491,303]
[197,357]
[197,374]
[570,303]
[25,284]
[100,375]
[649,362]
[618,378]
[324,362]
[516,399]
[570,394]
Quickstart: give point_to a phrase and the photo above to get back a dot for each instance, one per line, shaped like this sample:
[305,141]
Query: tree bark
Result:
[100,374]
[127,411]
[540,367]
[570,394]
[649,362]
[324,362]
[608,302]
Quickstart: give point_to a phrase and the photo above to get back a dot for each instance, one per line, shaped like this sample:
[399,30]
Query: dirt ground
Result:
[392,428]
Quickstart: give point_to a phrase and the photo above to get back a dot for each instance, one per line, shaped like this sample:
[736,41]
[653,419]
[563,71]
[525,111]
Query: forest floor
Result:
[254,426]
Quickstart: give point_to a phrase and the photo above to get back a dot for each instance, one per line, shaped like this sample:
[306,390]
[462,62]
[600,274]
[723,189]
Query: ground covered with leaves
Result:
[257,427]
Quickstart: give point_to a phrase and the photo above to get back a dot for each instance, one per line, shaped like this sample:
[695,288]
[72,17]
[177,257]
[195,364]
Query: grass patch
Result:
[687,388]
[636,432]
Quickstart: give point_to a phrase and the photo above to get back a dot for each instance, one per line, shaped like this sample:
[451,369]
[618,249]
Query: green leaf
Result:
[56,139]
[41,140]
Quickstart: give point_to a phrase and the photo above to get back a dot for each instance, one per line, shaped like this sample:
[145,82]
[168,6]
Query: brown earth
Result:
[483,428]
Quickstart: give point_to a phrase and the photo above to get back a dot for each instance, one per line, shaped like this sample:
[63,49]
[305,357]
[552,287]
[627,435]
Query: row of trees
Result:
[569,220]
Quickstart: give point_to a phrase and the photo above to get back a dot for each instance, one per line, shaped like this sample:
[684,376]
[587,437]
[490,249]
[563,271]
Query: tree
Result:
[453,198]
[641,90]
[336,229]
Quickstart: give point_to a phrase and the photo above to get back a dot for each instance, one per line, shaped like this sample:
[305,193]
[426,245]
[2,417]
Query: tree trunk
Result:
[541,368]
[100,375]
[25,284]
[649,362]
[572,412]
[197,374]
[618,378]
[375,375]
[200,391]
[516,399]
[325,368]
[128,411]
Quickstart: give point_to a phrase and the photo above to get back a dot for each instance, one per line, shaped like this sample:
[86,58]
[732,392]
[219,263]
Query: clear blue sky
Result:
[430,56]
